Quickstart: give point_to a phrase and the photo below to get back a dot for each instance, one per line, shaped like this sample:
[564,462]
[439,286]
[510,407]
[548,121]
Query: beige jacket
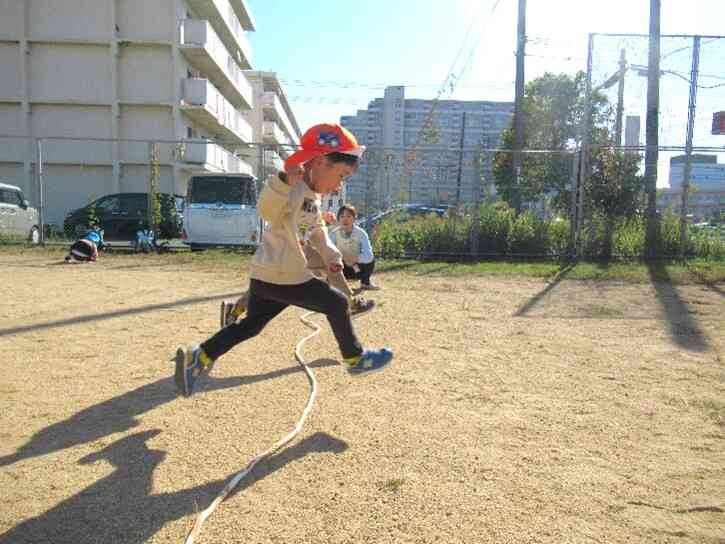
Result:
[294,219]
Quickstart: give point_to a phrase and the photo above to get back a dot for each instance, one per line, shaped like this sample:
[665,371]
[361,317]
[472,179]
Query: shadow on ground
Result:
[684,329]
[119,414]
[121,508]
[560,275]
[112,315]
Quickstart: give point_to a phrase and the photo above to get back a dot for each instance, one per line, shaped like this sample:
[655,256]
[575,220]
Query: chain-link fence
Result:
[122,184]
[580,189]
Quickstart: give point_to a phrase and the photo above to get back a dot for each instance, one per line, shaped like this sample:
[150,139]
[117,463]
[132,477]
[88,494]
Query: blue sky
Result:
[334,57]
[331,53]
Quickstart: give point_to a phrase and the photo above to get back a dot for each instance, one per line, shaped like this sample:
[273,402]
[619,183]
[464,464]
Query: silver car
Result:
[17,219]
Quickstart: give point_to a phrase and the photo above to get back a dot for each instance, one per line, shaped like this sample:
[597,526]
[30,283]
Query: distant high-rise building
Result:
[424,151]
[273,123]
[707,187]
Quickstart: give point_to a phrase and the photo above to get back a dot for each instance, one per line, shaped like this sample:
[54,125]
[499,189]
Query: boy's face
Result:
[326,176]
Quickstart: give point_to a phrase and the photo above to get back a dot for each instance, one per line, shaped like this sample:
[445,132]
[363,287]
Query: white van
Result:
[17,219]
[221,210]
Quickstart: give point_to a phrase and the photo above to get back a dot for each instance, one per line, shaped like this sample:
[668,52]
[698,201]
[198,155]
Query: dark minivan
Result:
[120,216]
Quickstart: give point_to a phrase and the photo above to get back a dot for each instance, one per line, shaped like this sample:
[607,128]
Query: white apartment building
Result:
[273,124]
[96,80]
[424,153]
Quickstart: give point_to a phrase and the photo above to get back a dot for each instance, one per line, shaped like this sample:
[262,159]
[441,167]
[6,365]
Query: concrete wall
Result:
[68,187]
[145,74]
[69,19]
[135,178]
[10,21]
[10,80]
[11,120]
[65,72]
[157,21]
[75,121]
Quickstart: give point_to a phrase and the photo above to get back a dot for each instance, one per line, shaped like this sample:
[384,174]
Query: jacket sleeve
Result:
[321,243]
[366,250]
[274,201]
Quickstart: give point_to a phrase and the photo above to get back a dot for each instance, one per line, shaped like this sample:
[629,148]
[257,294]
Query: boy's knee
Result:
[339,303]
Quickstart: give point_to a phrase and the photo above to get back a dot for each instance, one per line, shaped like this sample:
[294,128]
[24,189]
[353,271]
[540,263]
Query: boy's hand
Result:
[334,268]
[294,175]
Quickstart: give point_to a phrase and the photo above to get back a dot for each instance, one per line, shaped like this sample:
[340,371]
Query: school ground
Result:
[517,410]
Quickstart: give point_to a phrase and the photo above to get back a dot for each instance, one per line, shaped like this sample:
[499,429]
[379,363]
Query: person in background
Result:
[85,249]
[354,244]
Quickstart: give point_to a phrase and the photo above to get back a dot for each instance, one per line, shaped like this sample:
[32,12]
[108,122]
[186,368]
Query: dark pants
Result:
[82,250]
[267,300]
[366,270]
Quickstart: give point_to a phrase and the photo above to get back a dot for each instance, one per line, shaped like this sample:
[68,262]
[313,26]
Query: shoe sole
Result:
[180,374]
[361,312]
[372,371]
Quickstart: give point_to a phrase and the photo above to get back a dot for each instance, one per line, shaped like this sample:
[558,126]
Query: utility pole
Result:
[519,104]
[688,145]
[583,167]
[620,99]
[652,139]
[460,160]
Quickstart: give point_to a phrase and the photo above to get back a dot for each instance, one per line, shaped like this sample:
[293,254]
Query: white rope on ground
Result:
[231,484]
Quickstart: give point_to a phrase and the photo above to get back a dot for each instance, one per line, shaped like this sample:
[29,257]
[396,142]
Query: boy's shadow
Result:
[119,414]
[120,506]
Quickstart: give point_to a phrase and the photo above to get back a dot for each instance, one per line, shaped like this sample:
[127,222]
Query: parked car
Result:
[17,219]
[221,211]
[120,216]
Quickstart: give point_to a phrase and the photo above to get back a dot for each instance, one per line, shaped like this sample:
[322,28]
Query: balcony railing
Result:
[207,53]
[208,107]
[273,134]
[272,104]
[210,157]
[243,14]
[225,21]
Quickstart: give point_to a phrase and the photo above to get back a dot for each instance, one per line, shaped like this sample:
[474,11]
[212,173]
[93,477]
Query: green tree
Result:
[614,187]
[553,110]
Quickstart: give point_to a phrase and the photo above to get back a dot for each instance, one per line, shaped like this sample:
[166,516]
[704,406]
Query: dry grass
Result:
[516,411]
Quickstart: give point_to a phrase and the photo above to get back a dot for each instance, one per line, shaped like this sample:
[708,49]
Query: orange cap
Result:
[323,139]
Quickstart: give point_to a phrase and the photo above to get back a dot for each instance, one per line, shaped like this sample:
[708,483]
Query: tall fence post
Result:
[41,193]
[574,212]
[153,201]
[688,145]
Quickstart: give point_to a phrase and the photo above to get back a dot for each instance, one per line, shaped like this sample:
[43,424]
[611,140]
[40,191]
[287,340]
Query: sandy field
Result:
[517,411]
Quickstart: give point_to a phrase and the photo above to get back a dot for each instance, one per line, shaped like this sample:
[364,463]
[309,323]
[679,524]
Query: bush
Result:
[500,232]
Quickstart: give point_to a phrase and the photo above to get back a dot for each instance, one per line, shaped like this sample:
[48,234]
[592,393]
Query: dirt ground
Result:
[517,410]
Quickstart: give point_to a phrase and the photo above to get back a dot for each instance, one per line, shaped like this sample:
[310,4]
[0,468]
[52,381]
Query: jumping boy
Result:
[231,311]
[280,277]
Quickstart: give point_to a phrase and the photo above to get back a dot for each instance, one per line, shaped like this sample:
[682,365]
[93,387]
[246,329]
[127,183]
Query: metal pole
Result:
[41,193]
[653,109]
[519,103]
[574,216]
[460,160]
[585,147]
[620,99]
[688,145]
